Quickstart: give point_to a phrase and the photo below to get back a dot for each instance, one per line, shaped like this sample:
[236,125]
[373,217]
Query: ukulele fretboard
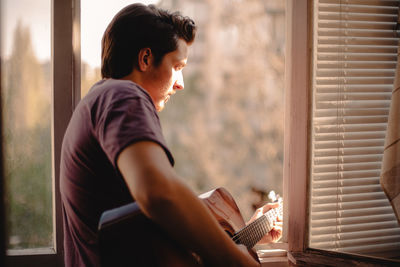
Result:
[252,233]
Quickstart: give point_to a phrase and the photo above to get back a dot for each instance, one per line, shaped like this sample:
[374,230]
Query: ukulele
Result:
[128,238]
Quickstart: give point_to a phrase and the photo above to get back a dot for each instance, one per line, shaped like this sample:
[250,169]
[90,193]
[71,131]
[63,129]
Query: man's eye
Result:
[179,67]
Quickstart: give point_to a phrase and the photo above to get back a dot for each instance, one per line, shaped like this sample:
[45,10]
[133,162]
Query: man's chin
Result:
[160,106]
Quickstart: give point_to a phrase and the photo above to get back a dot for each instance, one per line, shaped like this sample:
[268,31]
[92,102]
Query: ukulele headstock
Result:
[276,198]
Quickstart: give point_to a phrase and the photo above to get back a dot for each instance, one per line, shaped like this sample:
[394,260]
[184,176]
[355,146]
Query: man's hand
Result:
[276,233]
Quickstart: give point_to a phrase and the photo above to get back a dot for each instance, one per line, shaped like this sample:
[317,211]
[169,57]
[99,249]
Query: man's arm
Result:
[167,201]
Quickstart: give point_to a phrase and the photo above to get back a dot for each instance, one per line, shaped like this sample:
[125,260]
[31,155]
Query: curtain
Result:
[390,177]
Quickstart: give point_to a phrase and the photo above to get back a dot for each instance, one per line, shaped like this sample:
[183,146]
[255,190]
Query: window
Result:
[370,60]
[355,56]
[37,93]
[26,101]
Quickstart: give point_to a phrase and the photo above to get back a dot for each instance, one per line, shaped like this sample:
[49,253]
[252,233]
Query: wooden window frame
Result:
[297,73]
[296,119]
[65,58]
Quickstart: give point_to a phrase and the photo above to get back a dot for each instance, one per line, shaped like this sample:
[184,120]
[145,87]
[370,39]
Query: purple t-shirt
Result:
[113,115]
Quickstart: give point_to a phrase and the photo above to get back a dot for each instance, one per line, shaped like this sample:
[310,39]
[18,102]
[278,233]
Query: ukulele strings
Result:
[256,230]
[249,234]
[252,233]
[248,231]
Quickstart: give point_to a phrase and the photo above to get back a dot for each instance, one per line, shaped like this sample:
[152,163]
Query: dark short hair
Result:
[138,26]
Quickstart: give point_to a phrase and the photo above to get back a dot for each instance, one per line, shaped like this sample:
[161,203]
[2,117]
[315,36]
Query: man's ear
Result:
[145,58]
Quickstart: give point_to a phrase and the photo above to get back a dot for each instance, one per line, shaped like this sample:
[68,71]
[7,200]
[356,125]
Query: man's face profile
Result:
[163,80]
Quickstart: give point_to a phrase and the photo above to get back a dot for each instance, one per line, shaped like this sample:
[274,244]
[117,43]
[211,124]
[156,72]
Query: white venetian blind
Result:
[355,57]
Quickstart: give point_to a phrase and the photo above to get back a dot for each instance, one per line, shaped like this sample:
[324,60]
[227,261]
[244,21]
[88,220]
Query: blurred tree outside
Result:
[89,76]
[226,127]
[27,148]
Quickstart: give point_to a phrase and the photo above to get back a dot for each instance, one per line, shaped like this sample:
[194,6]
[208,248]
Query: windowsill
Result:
[30,251]
[277,257]
[275,262]
[272,246]
[315,257]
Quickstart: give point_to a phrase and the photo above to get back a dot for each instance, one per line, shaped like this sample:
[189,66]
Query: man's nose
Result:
[179,84]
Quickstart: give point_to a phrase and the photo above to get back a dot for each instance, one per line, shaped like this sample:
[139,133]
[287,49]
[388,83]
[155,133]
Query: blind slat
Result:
[356,32]
[350,128]
[357,16]
[348,151]
[353,40]
[353,220]
[355,73]
[343,56]
[346,175]
[363,2]
[394,247]
[354,80]
[350,136]
[326,24]
[360,49]
[354,227]
[349,197]
[357,242]
[344,8]
[353,96]
[356,64]
[354,104]
[352,112]
[341,190]
[348,119]
[347,159]
[354,235]
[348,143]
[350,205]
[354,88]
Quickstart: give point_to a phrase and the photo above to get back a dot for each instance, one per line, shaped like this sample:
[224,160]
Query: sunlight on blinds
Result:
[355,56]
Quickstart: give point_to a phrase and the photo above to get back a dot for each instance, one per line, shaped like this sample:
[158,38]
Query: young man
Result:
[114,152]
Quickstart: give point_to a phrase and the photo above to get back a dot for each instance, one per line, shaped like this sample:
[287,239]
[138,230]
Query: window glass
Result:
[226,128]
[26,99]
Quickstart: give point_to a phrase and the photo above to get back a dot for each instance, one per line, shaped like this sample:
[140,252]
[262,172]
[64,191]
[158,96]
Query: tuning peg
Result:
[272,195]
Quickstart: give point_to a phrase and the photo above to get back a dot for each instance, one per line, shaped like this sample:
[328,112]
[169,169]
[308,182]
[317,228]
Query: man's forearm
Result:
[184,216]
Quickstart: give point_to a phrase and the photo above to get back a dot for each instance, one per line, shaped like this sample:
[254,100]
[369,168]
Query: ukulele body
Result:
[225,210]
[128,238]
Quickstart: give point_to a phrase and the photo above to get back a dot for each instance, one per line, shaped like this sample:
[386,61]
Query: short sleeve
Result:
[126,121]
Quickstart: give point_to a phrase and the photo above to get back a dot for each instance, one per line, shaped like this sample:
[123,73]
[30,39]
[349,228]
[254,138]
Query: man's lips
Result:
[168,96]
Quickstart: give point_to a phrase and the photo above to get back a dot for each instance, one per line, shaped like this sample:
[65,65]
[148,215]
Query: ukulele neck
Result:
[252,233]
